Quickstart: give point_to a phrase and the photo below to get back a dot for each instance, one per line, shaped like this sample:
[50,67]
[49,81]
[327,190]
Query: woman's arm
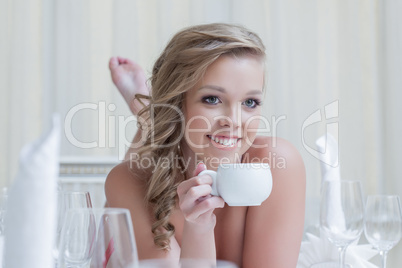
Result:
[274,230]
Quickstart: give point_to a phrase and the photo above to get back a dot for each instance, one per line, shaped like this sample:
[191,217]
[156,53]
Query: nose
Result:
[231,116]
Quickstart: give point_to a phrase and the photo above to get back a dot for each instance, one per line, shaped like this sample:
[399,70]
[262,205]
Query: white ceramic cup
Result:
[241,184]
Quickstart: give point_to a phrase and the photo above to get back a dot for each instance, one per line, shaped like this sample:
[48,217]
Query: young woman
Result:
[203,108]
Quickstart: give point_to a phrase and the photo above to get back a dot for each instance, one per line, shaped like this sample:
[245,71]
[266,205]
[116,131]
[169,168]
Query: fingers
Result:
[200,167]
[195,193]
[185,186]
[195,199]
[196,180]
[205,207]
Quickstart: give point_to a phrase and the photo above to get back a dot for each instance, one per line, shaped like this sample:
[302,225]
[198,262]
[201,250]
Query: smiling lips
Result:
[224,141]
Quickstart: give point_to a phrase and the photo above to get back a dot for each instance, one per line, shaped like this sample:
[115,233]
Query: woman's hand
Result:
[196,202]
[197,206]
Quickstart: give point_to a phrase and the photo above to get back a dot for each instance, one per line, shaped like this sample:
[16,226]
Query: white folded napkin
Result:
[330,171]
[31,209]
[320,249]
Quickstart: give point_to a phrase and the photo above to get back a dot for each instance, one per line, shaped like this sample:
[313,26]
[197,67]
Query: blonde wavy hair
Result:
[178,69]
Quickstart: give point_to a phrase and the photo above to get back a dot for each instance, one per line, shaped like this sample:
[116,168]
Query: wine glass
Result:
[342,214]
[115,244]
[67,200]
[98,238]
[77,239]
[382,225]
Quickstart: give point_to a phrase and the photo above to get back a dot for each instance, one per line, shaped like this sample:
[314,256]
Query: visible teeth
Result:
[223,141]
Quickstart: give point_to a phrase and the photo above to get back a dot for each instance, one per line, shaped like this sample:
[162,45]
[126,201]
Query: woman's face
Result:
[222,111]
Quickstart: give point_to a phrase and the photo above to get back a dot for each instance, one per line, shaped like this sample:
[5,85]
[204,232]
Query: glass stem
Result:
[383,254]
[342,251]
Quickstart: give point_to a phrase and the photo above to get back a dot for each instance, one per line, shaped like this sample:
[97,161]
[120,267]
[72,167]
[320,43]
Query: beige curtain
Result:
[21,79]
[337,59]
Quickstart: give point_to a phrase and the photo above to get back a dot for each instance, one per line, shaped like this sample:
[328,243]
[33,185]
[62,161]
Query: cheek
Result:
[200,119]
[198,123]
[251,125]
[196,127]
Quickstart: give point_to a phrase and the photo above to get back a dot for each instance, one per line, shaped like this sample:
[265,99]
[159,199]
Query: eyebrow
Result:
[221,89]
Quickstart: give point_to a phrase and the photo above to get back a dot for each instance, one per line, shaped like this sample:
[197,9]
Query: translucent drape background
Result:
[339,59]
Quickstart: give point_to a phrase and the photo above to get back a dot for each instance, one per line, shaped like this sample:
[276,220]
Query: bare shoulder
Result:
[121,183]
[278,152]
[125,187]
[286,163]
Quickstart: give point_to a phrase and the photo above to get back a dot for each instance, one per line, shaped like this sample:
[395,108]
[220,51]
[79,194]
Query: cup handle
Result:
[213,176]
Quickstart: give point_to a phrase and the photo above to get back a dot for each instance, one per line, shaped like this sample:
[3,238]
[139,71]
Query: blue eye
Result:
[252,103]
[211,100]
